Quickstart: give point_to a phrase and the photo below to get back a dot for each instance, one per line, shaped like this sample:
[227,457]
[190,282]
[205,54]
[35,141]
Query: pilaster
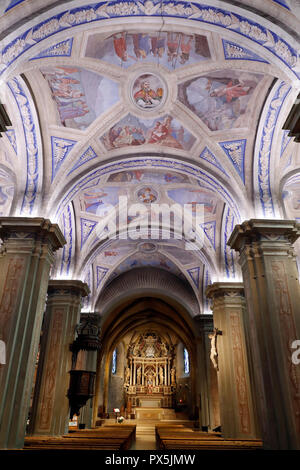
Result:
[229,355]
[27,254]
[273,322]
[50,410]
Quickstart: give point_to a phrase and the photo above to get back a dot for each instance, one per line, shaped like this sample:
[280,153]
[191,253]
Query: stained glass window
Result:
[114,362]
[186,361]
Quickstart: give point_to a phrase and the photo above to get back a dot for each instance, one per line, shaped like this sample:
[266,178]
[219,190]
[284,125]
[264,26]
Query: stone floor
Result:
[145,437]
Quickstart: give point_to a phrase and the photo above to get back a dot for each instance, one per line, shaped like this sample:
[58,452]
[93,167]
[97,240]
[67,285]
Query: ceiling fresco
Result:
[170,49]
[220,99]
[158,102]
[80,95]
[133,131]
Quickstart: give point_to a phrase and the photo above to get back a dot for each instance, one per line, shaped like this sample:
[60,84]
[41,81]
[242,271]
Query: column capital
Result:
[263,230]
[32,227]
[63,287]
[227,288]
[228,293]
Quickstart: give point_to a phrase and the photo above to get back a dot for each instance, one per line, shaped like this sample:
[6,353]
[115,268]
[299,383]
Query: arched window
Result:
[186,360]
[114,362]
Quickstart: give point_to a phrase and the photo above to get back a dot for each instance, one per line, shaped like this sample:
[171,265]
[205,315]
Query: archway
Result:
[150,330]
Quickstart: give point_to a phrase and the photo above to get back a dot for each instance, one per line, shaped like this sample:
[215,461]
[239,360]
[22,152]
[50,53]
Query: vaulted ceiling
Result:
[157,102]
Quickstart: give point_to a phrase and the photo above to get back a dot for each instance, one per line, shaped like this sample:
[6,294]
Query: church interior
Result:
[118,332]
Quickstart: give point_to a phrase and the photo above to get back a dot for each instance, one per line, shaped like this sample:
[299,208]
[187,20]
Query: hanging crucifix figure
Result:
[214,350]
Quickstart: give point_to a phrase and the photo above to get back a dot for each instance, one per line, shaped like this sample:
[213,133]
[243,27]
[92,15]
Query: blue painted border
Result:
[104,10]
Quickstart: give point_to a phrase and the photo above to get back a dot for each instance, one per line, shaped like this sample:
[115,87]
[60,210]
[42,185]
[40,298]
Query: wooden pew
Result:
[106,438]
[128,434]
[74,444]
[214,444]
[187,438]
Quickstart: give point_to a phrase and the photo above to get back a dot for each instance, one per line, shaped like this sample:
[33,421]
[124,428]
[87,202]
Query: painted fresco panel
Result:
[133,131]
[98,201]
[193,196]
[220,99]
[171,49]
[148,176]
[80,95]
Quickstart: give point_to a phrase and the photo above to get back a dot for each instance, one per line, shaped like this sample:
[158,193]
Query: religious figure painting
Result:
[220,99]
[80,95]
[194,196]
[99,201]
[148,91]
[132,131]
[148,176]
[147,195]
[170,49]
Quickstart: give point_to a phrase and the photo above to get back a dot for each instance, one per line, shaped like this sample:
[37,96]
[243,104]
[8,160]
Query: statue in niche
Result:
[213,349]
[127,375]
[150,380]
[136,349]
[164,349]
[161,376]
[138,375]
[173,372]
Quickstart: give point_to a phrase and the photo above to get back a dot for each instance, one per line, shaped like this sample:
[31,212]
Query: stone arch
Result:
[146,281]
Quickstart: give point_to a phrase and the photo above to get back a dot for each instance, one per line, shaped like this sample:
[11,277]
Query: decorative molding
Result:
[86,228]
[228,252]
[209,229]
[31,135]
[61,49]
[60,150]
[202,177]
[206,283]
[284,141]
[11,135]
[283,3]
[233,51]
[101,273]
[68,232]
[208,156]
[88,155]
[177,9]
[13,4]
[264,143]
[194,274]
[235,150]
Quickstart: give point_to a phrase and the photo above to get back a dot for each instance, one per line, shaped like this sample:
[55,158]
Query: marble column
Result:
[50,409]
[272,292]
[236,404]
[27,253]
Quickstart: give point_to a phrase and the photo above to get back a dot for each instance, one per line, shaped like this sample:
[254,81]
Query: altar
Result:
[149,379]
[155,413]
[147,402]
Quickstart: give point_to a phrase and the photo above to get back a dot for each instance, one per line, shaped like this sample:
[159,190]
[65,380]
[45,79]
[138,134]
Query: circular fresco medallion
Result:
[147,247]
[147,195]
[148,91]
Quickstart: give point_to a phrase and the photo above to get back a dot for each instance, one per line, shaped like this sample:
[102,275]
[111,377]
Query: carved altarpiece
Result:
[150,371]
